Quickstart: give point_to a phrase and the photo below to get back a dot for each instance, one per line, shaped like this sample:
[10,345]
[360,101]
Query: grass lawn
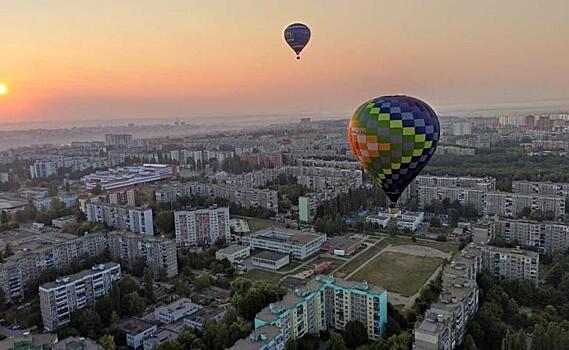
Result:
[400,273]
[258,224]
[292,265]
[448,247]
[260,275]
[334,262]
[362,257]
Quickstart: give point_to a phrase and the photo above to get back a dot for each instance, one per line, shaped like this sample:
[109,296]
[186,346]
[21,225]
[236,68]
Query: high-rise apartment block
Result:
[40,170]
[202,227]
[324,303]
[511,263]
[547,237]
[59,299]
[137,220]
[159,254]
[444,324]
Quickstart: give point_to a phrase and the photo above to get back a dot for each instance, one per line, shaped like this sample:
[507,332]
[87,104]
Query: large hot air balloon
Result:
[393,138]
[297,36]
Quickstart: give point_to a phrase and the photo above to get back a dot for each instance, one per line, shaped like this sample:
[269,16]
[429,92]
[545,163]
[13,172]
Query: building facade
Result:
[547,237]
[59,299]
[202,227]
[137,220]
[159,254]
[327,303]
[298,244]
[511,263]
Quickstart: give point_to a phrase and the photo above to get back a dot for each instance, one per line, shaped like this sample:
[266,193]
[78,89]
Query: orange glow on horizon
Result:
[3,89]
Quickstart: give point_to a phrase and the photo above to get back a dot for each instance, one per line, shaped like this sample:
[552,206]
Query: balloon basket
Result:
[393,210]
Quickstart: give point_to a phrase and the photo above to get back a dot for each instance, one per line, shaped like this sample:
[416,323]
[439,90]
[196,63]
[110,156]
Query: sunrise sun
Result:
[3,89]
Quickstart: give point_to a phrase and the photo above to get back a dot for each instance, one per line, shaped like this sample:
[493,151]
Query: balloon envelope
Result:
[393,138]
[297,36]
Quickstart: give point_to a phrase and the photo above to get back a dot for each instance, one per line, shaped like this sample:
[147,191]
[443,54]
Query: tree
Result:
[2,299]
[8,250]
[4,218]
[97,190]
[165,221]
[336,342]
[392,229]
[514,341]
[138,266]
[468,343]
[56,204]
[133,304]
[355,334]
[52,189]
[107,342]
[148,285]
[399,342]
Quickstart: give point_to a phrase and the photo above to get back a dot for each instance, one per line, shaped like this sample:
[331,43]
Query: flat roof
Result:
[268,255]
[341,242]
[135,325]
[77,276]
[232,249]
[279,234]
[517,251]
[258,337]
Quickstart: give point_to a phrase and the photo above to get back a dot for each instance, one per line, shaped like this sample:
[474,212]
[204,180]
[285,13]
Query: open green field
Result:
[260,275]
[256,224]
[448,247]
[292,265]
[400,273]
[362,257]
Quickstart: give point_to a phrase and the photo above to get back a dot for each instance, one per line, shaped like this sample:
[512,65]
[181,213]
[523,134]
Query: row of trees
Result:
[512,309]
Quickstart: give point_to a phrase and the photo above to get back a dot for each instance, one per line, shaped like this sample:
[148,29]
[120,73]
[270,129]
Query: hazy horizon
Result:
[109,61]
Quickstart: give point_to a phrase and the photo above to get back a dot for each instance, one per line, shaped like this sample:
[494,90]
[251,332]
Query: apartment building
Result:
[127,196]
[158,253]
[59,299]
[298,244]
[202,227]
[542,188]
[444,324]
[547,237]
[512,204]
[511,263]
[127,176]
[247,197]
[491,203]
[325,302]
[118,140]
[35,252]
[41,169]
[137,220]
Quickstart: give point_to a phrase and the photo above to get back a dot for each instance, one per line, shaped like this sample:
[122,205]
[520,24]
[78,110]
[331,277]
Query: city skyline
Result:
[107,61]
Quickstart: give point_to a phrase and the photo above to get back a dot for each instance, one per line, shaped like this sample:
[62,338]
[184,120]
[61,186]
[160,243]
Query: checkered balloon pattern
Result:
[394,137]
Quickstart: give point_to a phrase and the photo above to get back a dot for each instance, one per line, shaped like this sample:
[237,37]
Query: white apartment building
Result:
[40,170]
[59,299]
[511,263]
[547,237]
[137,220]
[202,227]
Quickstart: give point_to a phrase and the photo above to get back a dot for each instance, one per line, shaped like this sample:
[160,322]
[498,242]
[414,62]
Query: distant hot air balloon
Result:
[393,138]
[297,36]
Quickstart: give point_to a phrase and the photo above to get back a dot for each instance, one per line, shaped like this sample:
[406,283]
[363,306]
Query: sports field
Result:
[400,273]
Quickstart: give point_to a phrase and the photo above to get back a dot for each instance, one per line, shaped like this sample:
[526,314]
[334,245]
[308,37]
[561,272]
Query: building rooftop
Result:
[261,336]
[517,250]
[77,276]
[29,342]
[162,335]
[135,325]
[342,243]
[234,248]
[268,255]
[75,343]
[178,305]
[283,235]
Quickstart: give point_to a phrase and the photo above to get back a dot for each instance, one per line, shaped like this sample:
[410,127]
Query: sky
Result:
[108,59]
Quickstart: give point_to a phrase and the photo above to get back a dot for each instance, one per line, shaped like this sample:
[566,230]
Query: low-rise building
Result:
[234,252]
[176,310]
[342,246]
[162,335]
[60,221]
[76,343]
[136,330]
[199,319]
[405,220]
[270,260]
[298,244]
